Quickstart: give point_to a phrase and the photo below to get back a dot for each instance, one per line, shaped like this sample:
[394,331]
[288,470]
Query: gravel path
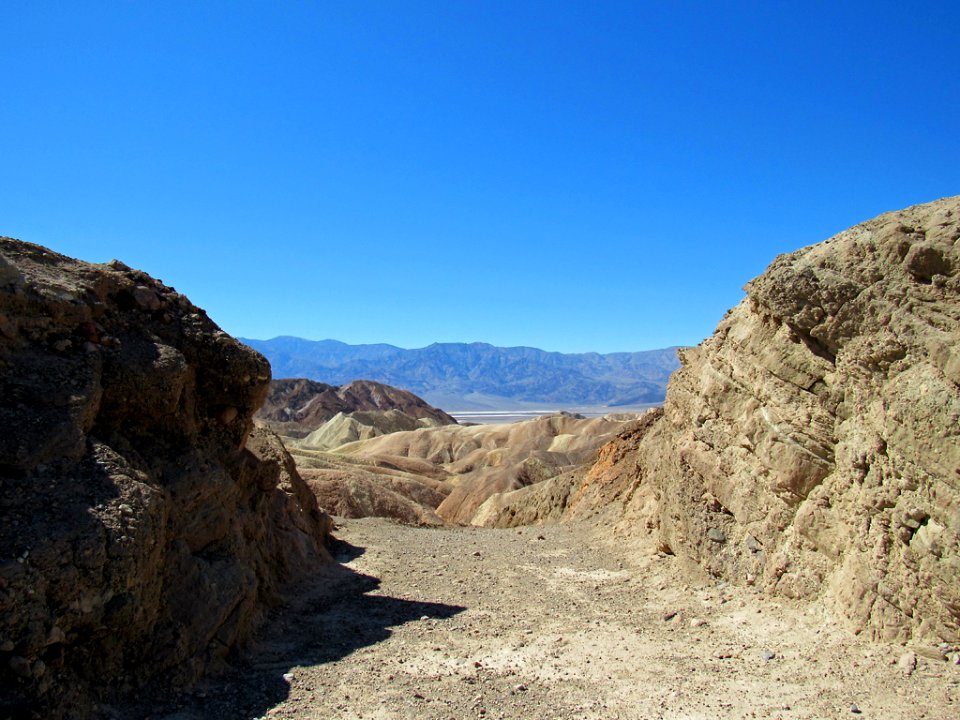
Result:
[554,623]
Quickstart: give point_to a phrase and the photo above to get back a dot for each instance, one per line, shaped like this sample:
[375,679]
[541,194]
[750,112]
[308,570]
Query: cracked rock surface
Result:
[812,444]
[143,528]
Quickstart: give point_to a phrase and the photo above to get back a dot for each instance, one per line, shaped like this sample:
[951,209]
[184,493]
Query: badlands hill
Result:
[297,407]
[811,446]
[439,475]
[371,450]
[478,376]
[145,526]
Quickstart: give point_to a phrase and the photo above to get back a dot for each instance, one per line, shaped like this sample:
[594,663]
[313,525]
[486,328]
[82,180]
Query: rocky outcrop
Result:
[812,444]
[296,407]
[143,529]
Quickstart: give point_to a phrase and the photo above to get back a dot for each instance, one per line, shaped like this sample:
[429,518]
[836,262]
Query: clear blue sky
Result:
[567,175]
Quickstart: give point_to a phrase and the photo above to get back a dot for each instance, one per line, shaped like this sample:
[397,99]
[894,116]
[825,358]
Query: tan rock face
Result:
[813,442]
[143,529]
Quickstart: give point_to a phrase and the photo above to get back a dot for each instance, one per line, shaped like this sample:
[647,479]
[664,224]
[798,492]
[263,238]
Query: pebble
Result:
[717,535]
[20,666]
[907,663]
[769,655]
[698,622]
[288,678]
[854,709]
[667,617]
[932,653]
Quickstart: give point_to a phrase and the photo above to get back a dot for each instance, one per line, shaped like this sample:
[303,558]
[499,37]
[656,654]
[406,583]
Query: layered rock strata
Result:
[812,445]
[143,528]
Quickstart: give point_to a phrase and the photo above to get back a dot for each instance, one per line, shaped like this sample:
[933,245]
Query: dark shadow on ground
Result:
[324,620]
[342,551]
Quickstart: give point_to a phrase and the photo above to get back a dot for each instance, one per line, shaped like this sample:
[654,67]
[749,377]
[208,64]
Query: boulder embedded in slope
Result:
[143,528]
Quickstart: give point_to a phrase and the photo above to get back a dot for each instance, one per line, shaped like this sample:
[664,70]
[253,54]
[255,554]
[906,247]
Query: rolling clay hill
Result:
[444,474]
[145,526]
[811,446]
[296,407]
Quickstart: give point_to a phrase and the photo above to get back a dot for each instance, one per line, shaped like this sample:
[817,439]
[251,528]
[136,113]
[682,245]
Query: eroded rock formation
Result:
[345,428]
[483,460]
[812,444]
[143,529]
[296,407]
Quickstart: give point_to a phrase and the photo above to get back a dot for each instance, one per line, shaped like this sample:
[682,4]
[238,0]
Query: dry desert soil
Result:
[551,622]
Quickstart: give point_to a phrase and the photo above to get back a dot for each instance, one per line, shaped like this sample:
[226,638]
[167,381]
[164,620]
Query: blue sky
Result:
[566,175]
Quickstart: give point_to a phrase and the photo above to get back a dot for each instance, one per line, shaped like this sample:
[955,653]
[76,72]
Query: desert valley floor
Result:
[552,622]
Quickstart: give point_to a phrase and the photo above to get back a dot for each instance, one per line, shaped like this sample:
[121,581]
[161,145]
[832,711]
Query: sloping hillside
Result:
[477,462]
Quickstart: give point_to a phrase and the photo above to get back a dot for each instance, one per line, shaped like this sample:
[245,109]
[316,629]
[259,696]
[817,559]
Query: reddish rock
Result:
[295,406]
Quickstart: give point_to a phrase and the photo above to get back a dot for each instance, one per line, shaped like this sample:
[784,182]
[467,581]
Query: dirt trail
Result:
[553,623]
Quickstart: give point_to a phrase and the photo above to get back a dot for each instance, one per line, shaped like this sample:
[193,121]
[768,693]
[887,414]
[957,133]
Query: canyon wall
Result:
[144,525]
[811,446]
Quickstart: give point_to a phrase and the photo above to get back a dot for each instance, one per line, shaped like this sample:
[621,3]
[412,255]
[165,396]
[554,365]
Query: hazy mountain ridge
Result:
[445,371]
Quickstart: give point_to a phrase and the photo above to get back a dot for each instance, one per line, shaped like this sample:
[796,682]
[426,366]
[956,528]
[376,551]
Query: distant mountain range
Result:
[477,376]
